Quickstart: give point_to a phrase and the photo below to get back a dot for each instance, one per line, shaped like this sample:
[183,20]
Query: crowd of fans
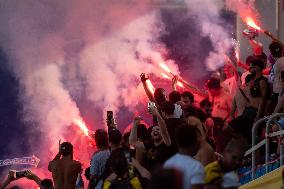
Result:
[188,145]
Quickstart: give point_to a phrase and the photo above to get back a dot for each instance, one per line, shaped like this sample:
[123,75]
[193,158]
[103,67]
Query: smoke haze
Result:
[68,51]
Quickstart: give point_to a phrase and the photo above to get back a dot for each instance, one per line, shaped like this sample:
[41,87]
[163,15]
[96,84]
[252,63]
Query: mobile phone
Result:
[151,104]
[20,174]
[110,120]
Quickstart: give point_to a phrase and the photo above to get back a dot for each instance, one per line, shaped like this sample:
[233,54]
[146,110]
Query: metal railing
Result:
[271,119]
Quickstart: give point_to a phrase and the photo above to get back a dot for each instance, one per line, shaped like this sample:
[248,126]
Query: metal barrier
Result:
[265,142]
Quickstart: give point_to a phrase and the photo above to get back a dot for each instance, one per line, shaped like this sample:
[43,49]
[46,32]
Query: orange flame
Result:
[165,67]
[79,122]
[165,76]
[251,23]
[150,86]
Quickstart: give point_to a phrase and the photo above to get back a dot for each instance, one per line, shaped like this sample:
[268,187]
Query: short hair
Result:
[168,107]
[257,62]
[249,78]
[174,96]
[46,184]
[159,96]
[101,138]
[118,162]
[276,49]
[187,94]
[186,135]
[66,148]
[114,136]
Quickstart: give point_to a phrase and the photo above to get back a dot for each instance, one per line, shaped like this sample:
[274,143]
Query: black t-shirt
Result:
[108,169]
[172,124]
[196,112]
[157,155]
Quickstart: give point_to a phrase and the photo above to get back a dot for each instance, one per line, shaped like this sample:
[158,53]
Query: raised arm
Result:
[144,79]
[257,47]
[162,125]
[273,37]
[143,171]
[174,83]
[8,180]
[32,176]
[133,134]
[233,109]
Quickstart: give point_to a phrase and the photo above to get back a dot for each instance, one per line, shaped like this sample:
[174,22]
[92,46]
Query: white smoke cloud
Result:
[108,44]
[207,13]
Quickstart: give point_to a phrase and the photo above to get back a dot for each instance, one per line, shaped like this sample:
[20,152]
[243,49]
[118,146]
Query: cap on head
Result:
[66,148]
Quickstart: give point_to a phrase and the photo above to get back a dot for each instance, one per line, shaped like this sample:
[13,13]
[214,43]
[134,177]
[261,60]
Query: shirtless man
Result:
[242,98]
[221,108]
[220,99]
[259,89]
[205,153]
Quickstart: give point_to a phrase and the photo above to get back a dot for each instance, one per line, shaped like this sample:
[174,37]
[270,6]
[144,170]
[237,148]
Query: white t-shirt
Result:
[231,179]
[192,170]
[278,85]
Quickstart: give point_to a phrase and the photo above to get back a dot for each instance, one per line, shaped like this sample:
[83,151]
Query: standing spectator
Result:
[99,159]
[125,172]
[63,168]
[205,153]
[220,99]
[171,121]
[161,149]
[206,107]
[232,78]
[242,98]
[175,98]
[191,169]
[136,138]
[220,174]
[259,89]
[278,70]
[221,104]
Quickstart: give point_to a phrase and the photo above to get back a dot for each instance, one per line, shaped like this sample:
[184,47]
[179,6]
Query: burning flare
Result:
[165,76]
[150,86]
[165,67]
[79,122]
[251,23]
